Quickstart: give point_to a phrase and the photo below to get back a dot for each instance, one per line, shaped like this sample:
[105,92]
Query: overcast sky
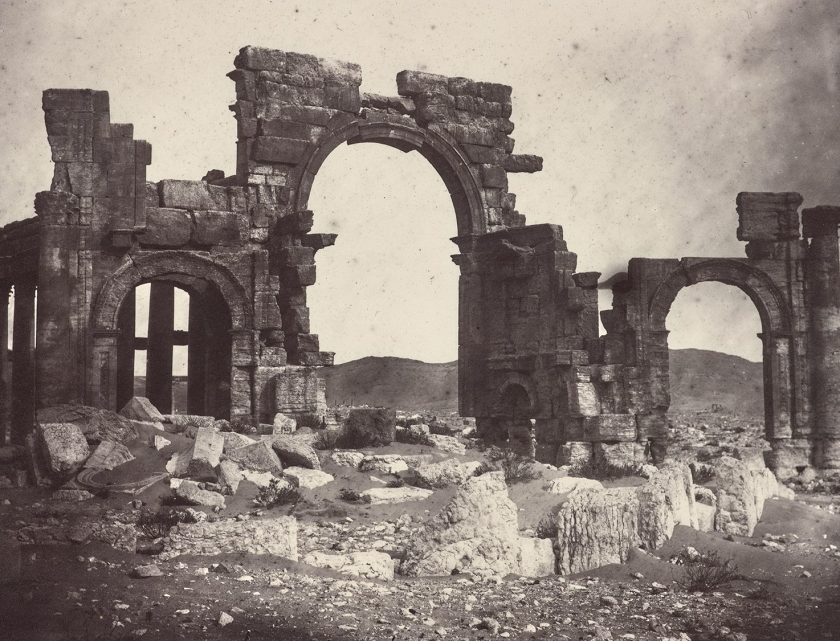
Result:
[650,116]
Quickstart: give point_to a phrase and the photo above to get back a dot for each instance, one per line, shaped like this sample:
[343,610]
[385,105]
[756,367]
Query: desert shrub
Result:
[350,495]
[277,492]
[701,474]
[155,524]
[413,437]
[547,526]
[397,482]
[600,469]
[436,426]
[483,469]
[517,468]
[327,440]
[705,571]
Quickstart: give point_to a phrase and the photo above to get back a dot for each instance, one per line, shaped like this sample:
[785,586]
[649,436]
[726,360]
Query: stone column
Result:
[196,358]
[160,341]
[823,281]
[777,386]
[5,370]
[125,349]
[23,371]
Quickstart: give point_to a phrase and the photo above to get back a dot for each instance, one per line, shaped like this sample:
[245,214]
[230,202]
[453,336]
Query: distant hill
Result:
[699,379]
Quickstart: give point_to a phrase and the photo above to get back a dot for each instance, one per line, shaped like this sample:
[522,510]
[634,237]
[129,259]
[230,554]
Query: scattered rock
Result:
[140,408]
[566,484]
[370,427]
[308,478]
[283,424]
[161,442]
[277,537]
[295,451]
[230,475]
[147,571]
[224,619]
[96,424]
[368,565]
[382,495]
[259,457]
[347,458]
[108,455]
[449,444]
[234,440]
[387,463]
[448,472]
[71,495]
[190,492]
[65,447]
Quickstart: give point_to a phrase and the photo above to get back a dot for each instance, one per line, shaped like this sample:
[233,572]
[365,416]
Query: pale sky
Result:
[650,116]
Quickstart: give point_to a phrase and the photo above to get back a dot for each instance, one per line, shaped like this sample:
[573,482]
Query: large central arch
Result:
[437,147]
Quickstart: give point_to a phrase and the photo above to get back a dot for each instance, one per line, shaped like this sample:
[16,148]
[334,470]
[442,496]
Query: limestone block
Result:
[347,458]
[523,163]
[230,475]
[284,424]
[216,228]
[209,445]
[296,451]
[628,454]
[258,456]
[184,421]
[277,149]
[665,501]
[96,424]
[166,227]
[412,83]
[275,537]
[308,478]
[705,517]
[109,455]
[566,484]
[583,399]
[65,447]
[575,454]
[234,440]
[387,463]
[140,408]
[189,492]
[387,495]
[260,58]
[536,557]
[477,531]
[192,194]
[367,565]
[448,472]
[451,444]
[370,427]
[736,498]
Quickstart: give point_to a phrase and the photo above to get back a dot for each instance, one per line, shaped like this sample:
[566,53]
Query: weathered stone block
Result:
[370,427]
[65,447]
[260,58]
[216,228]
[192,194]
[258,457]
[522,163]
[412,83]
[278,149]
[140,408]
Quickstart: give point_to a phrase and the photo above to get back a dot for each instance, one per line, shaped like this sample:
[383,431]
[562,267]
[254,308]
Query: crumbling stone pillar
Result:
[160,341]
[5,378]
[823,274]
[23,372]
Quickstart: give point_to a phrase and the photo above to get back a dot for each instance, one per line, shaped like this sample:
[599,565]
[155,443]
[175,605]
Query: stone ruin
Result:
[531,361]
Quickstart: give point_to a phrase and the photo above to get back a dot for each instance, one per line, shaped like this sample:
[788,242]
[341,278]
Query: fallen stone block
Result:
[260,479]
[367,565]
[276,537]
[109,455]
[448,472]
[566,484]
[234,440]
[370,427]
[536,557]
[184,421]
[140,408]
[385,495]
[230,475]
[191,493]
[146,571]
[477,532]
[307,478]
[208,445]
[449,444]
[295,451]
[347,458]
[160,442]
[178,463]
[65,447]
[387,463]
[96,424]
[284,424]
[259,457]
[737,511]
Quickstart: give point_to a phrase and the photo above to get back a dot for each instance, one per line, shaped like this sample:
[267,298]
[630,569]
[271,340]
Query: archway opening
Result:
[18,335]
[715,351]
[174,347]
[388,287]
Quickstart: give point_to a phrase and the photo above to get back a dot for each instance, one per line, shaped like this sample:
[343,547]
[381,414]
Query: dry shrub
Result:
[706,571]
[277,492]
[517,468]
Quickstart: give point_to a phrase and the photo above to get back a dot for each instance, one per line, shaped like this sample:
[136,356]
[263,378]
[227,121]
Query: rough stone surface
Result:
[385,495]
[140,408]
[295,451]
[230,475]
[449,444]
[234,440]
[308,478]
[370,427]
[259,457]
[347,458]
[273,536]
[566,484]
[536,557]
[96,424]
[109,455]
[65,447]
[737,502]
[448,472]
[284,424]
[386,463]
[367,565]
[476,532]
[191,493]
[208,446]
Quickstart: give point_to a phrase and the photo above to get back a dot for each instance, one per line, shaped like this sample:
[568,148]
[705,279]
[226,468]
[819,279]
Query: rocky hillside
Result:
[699,379]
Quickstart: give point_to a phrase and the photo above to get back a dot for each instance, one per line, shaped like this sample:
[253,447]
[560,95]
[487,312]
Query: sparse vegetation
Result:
[600,469]
[517,468]
[704,571]
[327,439]
[155,524]
[547,526]
[701,473]
[396,482]
[350,495]
[413,437]
[277,492]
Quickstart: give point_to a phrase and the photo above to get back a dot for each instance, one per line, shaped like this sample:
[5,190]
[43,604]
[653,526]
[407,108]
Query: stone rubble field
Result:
[402,526]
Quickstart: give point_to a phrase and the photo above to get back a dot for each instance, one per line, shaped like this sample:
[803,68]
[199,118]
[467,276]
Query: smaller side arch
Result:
[146,266]
[756,284]
[510,384]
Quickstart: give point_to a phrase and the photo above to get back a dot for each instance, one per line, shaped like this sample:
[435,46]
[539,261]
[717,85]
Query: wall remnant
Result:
[532,365]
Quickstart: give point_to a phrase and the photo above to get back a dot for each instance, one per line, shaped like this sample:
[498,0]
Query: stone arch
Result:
[777,346]
[437,147]
[511,384]
[756,284]
[188,269]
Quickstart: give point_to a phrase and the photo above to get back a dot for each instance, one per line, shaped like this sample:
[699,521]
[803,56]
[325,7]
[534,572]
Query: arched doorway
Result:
[779,404]
[221,324]
[515,410]
[203,386]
